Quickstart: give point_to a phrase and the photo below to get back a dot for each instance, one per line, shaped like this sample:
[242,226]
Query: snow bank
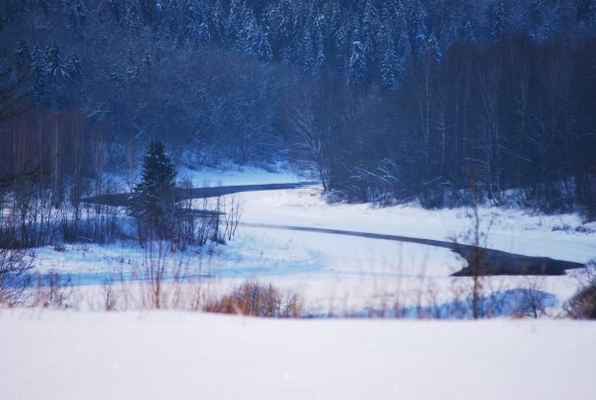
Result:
[161,355]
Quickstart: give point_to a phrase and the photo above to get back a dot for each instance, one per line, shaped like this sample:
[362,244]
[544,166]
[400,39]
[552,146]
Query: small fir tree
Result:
[153,200]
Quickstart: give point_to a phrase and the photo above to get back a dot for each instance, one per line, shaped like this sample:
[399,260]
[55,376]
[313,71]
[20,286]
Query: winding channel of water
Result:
[480,260]
[488,261]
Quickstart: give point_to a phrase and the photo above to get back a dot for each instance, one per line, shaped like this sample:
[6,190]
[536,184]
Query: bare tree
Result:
[474,251]
[489,79]
[533,299]
[232,213]
[311,137]
[13,95]
[15,277]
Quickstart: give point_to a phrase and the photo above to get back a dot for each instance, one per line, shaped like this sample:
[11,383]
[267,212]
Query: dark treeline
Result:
[517,114]
[386,100]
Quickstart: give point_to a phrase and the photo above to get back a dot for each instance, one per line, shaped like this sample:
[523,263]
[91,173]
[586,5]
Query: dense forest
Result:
[384,100]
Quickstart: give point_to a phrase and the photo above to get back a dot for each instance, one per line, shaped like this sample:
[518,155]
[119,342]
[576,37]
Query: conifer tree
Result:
[153,200]
[357,68]
[54,67]
[39,68]
[496,21]
[391,66]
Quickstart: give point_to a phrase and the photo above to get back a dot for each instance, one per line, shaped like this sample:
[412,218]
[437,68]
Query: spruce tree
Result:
[153,200]
[357,69]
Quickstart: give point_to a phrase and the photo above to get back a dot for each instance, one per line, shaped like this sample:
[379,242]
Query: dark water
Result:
[489,261]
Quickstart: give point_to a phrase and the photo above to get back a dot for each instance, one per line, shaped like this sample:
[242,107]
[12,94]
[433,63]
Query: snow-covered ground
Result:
[173,355]
[344,272]
[143,354]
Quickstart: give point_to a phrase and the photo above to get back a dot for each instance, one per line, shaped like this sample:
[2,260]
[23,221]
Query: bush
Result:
[15,278]
[583,304]
[255,299]
[54,290]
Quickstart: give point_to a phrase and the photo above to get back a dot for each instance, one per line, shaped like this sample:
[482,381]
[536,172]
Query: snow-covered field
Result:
[173,355]
[143,354]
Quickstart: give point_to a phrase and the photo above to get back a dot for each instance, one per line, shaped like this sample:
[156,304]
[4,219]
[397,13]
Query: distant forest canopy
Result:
[386,100]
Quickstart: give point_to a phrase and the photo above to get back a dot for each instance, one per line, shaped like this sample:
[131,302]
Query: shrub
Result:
[15,277]
[583,303]
[54,290]
[255,299]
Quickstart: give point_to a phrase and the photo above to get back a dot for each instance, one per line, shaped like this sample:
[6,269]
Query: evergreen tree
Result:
[39,67]
[73,67]
[78,15]
[417,27]
[392,11]
[319,44]
[215,20]
[132,69]
[586,12]
[372,36]
[23,55]
[195,29]
[370,26]
[357,69]
[468,34]
[496,21]
[54,67]
[255,40]
[236,18]
[400,35]
[306,51]
[392,67]
[153,200]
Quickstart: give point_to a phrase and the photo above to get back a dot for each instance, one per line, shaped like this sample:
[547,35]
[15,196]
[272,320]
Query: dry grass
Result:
[255,299]
[583,303]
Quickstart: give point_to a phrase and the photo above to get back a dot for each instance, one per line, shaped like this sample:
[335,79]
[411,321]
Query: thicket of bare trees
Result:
[512,112]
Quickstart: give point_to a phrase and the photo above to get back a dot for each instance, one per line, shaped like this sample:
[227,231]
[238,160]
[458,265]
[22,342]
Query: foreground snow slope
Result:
[170,355]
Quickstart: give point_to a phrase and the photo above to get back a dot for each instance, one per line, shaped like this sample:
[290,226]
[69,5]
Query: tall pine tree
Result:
[153,200]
